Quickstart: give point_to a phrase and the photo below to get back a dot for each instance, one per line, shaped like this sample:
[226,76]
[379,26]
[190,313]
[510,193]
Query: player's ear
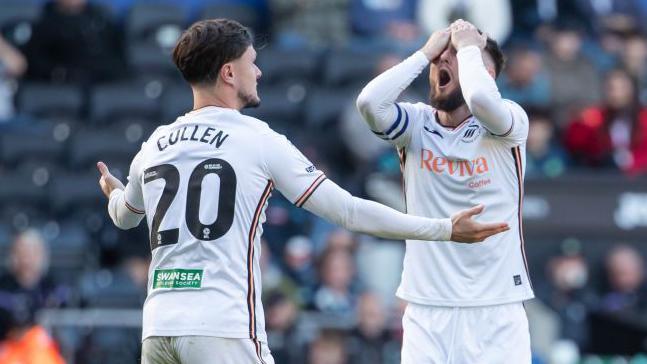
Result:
[227,73]
[489,65]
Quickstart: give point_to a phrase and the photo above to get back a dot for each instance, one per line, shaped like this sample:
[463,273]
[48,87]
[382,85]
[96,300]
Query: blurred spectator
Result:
[570,296]
[27,288]
[391,21]
[28,345]
[328,348]
[321,23]
[573,79]
[634,60]
[75,41]
[626,278]
[282,335]
[12,66]
[614,133]
[544,155]
[336,294]
[299,264]
[370,337]
[524,80]
[491,16]
[620,15]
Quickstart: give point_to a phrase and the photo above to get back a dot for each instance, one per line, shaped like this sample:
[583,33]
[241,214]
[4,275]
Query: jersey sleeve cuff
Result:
[446,226]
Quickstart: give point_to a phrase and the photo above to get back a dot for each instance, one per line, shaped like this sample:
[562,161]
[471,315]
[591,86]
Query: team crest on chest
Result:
[471,133]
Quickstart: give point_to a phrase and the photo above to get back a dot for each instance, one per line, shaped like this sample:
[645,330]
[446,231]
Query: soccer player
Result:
[203,183]
[466,147]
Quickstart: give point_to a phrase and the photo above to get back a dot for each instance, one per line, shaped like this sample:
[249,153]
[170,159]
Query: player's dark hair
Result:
[207,45]
[493,49]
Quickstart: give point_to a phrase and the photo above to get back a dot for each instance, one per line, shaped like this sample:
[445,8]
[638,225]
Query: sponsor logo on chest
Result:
[452,167]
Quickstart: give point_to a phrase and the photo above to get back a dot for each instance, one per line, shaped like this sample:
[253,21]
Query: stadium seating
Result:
[22,145]
[47,100]
[155,23]
[325,105]
[123,101]
[244,14]
[70,191]
[280,65]
[281,106]
[111,145]
[16,19]
[348,67]
[176,100]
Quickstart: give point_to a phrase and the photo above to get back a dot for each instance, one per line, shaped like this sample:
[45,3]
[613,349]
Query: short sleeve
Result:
[133,194]
[292,173]
[518,132]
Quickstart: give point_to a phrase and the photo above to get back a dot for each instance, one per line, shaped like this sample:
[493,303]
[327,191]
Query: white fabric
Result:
[447,170]
[376,102]
[203,350]
[223,306]
[340,207]
[458,335]
[481,93]
[227,301]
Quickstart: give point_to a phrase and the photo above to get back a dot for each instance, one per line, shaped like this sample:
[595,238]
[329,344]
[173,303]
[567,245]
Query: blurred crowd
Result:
[82,80]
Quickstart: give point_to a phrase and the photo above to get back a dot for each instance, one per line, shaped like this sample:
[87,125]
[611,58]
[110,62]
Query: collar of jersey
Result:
[208,108]
[450,129]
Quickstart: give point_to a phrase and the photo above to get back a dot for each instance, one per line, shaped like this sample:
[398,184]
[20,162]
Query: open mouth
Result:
[444,78]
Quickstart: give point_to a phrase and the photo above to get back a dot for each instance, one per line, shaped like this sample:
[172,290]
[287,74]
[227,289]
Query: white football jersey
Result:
[203,182]
[447,170]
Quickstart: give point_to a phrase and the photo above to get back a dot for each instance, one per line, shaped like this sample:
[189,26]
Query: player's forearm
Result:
[481,93]
[121,215]
[338,206]
[377,99]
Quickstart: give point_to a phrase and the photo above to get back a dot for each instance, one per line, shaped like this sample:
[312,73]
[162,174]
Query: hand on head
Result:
[436,44]
[464,34]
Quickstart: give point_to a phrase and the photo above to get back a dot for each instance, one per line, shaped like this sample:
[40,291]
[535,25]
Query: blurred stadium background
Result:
[82,81]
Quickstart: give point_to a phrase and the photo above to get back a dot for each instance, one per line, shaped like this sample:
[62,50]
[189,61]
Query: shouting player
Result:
[467,147]
[203,183]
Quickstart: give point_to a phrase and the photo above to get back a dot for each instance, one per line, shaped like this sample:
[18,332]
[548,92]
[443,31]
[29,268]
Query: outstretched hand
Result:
[108,182]
[466,230]
[436,44]
[464,34]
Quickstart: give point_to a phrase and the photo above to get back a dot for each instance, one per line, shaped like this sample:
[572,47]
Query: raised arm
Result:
[377,103]
[338,206]
[477,82]
[125,205]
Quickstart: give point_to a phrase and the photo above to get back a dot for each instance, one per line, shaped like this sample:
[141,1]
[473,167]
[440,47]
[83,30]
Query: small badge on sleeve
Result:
[517,280]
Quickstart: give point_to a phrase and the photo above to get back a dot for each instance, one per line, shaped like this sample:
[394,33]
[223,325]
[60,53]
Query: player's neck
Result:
[452,119]
[203,97]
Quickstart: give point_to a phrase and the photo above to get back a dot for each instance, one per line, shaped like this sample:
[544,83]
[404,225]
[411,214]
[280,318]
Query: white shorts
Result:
[466,335]
[204,350]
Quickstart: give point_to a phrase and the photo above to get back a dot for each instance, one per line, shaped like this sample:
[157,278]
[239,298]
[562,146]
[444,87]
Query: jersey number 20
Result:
[226,201]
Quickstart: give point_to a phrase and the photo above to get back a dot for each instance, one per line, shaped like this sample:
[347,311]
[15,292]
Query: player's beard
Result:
[447,103]
[249,100]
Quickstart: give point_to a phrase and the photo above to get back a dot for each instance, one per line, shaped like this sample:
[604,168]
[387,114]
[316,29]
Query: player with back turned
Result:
[203,182]
[467,147]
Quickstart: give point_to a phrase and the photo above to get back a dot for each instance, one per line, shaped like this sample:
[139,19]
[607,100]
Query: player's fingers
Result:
[493,226]
[487,233]
[474,210]
[103,169]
